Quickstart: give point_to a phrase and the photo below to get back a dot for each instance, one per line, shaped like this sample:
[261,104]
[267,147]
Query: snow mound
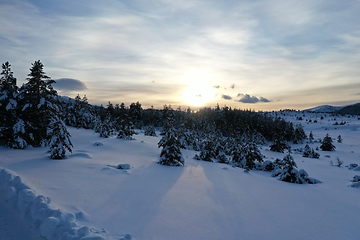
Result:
[355,182]
[43,219]
[81,155]
[124,166]
[98,144]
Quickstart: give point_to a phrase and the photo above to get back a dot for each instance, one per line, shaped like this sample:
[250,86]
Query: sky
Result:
[260,55]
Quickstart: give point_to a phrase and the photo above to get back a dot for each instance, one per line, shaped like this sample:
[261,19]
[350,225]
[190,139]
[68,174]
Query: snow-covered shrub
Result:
[150,131]
[123,166]
[309,152]
[287,172]
[206,152]
[279,146]
[356,181]
[352,166]
[246,156]
[268,166]
[338,162]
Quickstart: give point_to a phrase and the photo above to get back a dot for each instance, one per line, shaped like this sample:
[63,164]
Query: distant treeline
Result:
[28,112]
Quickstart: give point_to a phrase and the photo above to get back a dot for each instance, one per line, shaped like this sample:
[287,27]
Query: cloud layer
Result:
[273,48]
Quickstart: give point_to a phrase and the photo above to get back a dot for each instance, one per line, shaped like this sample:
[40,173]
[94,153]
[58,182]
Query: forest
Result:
[35,115]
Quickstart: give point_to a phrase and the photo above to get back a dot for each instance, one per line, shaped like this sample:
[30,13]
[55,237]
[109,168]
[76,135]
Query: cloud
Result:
[246,98]
[226,97]
[69,84]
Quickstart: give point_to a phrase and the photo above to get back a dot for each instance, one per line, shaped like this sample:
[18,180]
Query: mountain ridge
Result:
[348,109]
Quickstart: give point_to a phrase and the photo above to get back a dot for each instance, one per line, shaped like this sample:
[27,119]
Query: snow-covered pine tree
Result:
[79,113]
[19,135]
[279,145]
[38,102]
[150,131]
[309,152]
[8,105]
[170,154]
[326,144]
[220,155]
[246,156]
[207,151]
[126,130]
[287,172]
[106,128]
[59,139]
[299,134]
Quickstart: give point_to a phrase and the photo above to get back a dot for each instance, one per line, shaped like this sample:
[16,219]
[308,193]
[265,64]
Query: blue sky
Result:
[262,55]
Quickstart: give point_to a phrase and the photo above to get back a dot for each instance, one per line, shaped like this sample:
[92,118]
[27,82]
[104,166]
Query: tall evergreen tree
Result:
[38,105]
[8,105]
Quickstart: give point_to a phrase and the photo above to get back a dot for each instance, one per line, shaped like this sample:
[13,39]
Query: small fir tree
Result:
[299,134]
[18,135]
[246,156]
[170,154]
[59,139]
[311,136]
[287,172]
[106,128]
[279,145]
[207,151]
[309,152]
[150,131]
[326,144]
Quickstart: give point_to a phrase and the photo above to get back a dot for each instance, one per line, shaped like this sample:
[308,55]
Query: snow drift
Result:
[43,220]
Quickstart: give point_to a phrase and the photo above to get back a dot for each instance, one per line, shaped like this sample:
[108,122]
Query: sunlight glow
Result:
[199,88]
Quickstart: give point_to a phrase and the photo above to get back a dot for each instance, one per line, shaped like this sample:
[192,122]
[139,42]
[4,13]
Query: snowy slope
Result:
[324,109]
[199,201]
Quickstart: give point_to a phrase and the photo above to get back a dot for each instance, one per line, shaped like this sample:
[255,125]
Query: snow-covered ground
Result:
[86,197]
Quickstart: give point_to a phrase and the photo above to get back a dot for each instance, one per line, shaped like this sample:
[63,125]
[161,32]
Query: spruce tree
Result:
[59,139]
[309,152]
[19,141]
[106,127]
[38,105]
[8,106]
[170,154]
[311,136]
[246,156]
[207,151]
[279,145]
[326,144]
[299,134]
[150,131]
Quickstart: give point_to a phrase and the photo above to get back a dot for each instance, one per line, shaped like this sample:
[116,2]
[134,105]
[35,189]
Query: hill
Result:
[353,109]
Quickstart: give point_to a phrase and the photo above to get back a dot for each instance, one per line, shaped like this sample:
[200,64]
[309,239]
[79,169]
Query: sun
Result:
[198,88]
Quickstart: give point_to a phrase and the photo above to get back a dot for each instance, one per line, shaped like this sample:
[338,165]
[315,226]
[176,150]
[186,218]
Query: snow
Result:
[324,109]
[86,197]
